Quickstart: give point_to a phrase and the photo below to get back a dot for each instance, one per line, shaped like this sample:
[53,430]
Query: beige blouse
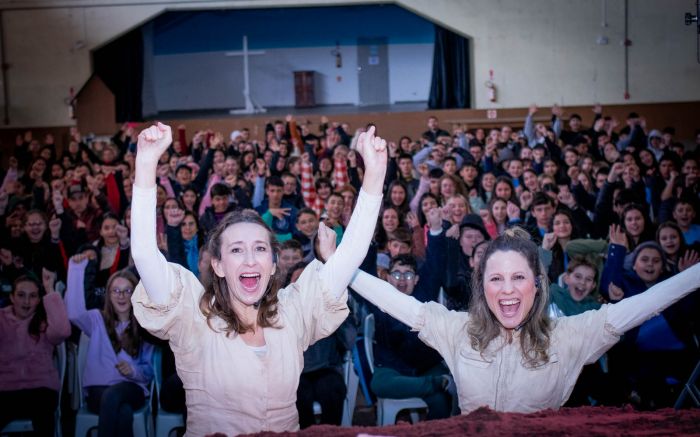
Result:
[499,379]
[256,393]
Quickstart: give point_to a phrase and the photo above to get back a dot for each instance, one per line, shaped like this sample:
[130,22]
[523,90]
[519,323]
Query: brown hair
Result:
[131,339]
[38,323]
[535,329]
[216,300]
[584,261]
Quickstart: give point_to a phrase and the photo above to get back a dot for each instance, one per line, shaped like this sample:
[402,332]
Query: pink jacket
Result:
[24,362]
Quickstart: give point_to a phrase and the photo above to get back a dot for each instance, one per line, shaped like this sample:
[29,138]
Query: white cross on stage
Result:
[250,106]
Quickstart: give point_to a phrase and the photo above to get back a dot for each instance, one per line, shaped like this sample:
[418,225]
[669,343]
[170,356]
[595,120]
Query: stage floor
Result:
[584,422]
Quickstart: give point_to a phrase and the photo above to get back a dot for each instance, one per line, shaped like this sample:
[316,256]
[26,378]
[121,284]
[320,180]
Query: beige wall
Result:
[540,50]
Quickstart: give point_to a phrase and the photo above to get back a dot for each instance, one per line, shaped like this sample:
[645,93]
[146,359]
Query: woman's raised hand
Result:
[153,141]
[326,241]
[373,151]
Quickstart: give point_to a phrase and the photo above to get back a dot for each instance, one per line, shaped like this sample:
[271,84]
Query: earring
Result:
[538,282]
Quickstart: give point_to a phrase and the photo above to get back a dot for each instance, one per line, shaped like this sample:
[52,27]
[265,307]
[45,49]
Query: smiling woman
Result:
[506,352]
[239,339]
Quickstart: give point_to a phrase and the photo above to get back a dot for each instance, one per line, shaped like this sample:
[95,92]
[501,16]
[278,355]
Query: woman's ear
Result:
[216,266]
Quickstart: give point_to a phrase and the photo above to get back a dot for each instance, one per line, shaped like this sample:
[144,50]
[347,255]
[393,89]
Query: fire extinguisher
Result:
[338,55]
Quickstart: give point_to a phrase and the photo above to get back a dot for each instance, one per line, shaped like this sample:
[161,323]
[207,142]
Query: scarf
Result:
[192,255]
[561,297]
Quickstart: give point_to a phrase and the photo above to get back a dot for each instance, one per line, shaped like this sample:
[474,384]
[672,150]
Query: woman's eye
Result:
[236,250]
[261,248]
[495,279]
[519,277]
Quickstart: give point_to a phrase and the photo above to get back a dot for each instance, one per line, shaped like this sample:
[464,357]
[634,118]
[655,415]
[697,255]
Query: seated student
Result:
[456,246]
[290,255]
[220,206]
[321,379]
[119,366]
[404,367]
[30,328]
[335,204]
[305,231]
[575,297]
[684,214]
[277,214]
[541,211]
[400,242]
[661,349]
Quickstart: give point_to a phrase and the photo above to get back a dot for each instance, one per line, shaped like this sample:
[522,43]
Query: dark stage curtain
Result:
[449,87]
[120,66]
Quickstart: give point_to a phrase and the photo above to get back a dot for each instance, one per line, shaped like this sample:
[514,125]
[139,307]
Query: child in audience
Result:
[119,365]
[30,328]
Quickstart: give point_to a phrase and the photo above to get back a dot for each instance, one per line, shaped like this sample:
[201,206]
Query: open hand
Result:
[689,259]
[618,236]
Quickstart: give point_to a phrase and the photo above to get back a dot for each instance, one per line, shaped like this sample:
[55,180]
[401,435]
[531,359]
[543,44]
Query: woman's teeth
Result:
[509,307]
[250,280]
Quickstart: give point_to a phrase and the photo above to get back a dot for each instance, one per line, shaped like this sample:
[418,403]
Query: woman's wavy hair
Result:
[37,324]
[483,326]
[217,301]
[132,337]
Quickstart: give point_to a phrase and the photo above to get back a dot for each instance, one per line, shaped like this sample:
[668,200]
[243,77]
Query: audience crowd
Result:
[612,205]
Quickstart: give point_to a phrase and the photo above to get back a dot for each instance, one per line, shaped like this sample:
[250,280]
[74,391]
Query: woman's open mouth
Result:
[249,281]
[509,307]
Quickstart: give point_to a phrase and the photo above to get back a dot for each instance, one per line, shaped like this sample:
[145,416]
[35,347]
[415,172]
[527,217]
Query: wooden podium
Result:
[304,89]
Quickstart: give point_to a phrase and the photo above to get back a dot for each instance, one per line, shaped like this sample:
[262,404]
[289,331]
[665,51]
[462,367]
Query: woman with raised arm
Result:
[506,352]
[239,342]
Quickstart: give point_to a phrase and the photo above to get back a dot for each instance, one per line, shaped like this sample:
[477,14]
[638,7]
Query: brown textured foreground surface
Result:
[585,421]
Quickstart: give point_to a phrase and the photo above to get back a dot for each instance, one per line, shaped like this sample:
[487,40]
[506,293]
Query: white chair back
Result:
[368,336]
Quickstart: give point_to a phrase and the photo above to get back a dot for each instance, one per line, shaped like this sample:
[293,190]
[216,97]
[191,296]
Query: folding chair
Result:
[690,389]
[85,421]
[387,408]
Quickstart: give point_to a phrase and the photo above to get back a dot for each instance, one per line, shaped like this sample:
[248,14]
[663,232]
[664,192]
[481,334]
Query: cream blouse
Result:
[499,379]
[229,387]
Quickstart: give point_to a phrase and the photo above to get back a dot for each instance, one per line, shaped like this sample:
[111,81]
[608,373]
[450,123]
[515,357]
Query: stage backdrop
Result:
[186,67]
